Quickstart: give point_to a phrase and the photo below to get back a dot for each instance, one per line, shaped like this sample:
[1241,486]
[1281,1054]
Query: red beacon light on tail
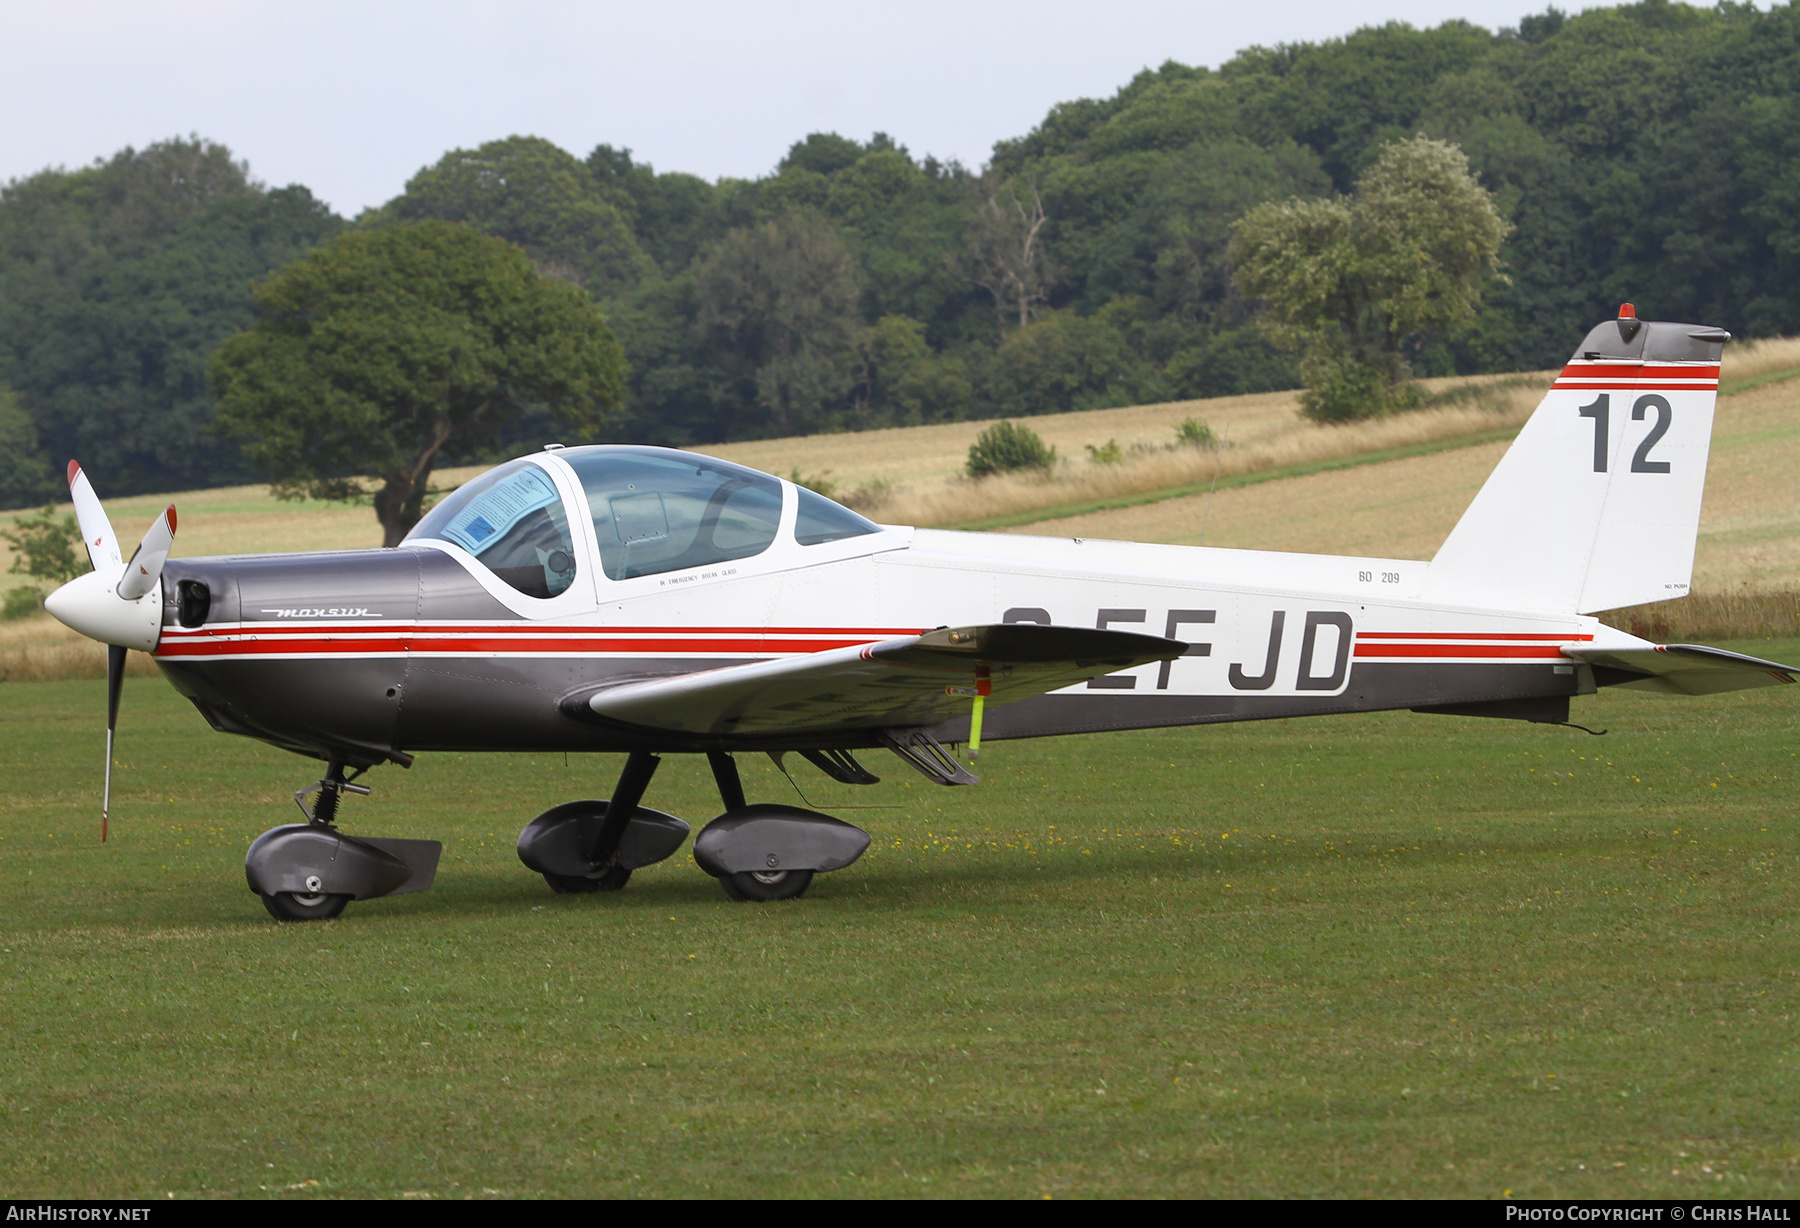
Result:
[1628,321]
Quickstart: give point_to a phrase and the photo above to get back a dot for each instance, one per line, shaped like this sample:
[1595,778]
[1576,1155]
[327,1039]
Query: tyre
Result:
[765,885]
[296,906]
[613,879]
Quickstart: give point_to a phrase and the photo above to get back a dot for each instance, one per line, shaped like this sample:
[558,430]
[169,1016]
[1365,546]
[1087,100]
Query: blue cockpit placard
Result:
[491,514]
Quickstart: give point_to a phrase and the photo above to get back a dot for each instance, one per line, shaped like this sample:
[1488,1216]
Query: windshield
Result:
[512,520]
[658,510]
[819,520]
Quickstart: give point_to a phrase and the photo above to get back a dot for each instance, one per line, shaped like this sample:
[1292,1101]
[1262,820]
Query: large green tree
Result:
[1358,278]
[529,192]
[116,282]
[371,355]
[778,305]
[1642,152]
[673,215]
[25,476]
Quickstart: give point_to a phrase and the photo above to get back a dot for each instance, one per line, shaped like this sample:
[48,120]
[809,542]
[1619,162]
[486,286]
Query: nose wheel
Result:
[304,906]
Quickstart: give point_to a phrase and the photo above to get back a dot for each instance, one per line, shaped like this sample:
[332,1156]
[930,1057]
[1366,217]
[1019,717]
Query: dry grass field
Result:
[1749,538]
[1749,530]
[921,465]
[40,649]
[1394,509]
[914,475]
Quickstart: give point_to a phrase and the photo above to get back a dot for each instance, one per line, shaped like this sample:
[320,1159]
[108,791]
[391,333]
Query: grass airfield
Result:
[1364,956]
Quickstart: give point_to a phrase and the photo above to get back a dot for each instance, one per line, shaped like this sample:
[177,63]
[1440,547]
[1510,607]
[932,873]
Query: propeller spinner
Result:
[118,603]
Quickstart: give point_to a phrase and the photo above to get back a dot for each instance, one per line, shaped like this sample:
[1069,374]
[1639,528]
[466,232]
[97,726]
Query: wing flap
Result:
[915,680]
[1687,669]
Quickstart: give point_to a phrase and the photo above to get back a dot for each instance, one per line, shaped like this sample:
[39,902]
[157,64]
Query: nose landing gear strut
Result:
[310,871]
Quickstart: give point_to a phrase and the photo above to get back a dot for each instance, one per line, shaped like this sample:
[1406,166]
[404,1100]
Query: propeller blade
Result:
[96,530]
[145,568]
[113,604]
[115,682]
[108,603]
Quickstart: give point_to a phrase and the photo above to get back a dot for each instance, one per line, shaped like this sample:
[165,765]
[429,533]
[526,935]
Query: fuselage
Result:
[457,640]
[651,600]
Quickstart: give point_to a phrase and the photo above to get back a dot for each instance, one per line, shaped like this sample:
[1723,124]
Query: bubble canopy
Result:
[654,510]
[658,510]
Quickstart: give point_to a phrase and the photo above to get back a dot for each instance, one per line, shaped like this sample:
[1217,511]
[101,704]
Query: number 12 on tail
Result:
[1600,412]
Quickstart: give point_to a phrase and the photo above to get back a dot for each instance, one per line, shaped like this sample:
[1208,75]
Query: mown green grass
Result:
[1731,387]
[1389,955]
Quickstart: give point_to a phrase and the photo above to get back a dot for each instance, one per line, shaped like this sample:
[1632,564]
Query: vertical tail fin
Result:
[1597,503]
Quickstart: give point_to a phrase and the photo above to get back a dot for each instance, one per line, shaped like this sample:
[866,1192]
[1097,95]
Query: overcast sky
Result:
[352,98]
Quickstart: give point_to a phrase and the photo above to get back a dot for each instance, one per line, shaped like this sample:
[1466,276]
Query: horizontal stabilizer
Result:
[912,681]
[1685,669]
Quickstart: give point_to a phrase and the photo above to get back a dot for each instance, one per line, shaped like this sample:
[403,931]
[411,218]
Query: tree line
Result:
[1107,257]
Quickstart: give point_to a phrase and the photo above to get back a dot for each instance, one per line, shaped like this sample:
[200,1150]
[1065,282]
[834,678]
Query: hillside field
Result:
[1749,527]
[1392,487]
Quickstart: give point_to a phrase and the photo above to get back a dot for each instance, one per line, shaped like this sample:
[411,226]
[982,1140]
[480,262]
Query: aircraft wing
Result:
[899,683]
[1687,669]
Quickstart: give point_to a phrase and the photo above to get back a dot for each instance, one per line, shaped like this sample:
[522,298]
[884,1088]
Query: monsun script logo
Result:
[324,612]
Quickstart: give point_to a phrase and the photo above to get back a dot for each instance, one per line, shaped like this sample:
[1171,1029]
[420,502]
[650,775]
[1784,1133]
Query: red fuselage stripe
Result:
[1634,370]
[1637,377]
[1468,635]
[345,639]
[523,627]
[1547,651]
[1644,387]
[753,646]
[745,647]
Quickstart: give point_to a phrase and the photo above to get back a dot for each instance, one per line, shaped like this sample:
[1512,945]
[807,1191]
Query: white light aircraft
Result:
[653,601]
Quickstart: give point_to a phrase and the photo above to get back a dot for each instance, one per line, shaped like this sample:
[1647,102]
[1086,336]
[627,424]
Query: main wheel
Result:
[579,884]
[762,885]
[301,906]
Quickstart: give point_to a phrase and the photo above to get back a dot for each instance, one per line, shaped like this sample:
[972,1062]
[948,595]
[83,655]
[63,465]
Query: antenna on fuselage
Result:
[1218,463]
